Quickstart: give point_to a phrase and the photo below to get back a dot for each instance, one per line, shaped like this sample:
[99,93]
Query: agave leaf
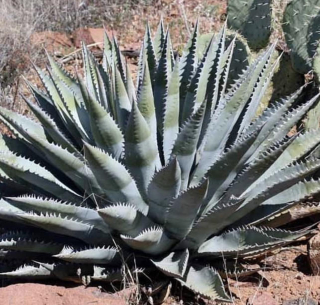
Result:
[67,226]
[34,175]
[213,82]
[18,241]
[283,201]
[209,224]
[125,218]
[287,123]
[118,60]
[107,52]
[205,281]
[146,106]
[64,271]
[227,114]
[235,270]
[198,87]
[283,234]
[53,93]
[224,215]
[253,172]
[29,272]
[152,241]
[237,242]
[226,61]
[73,167]
[188,63]
[301,145]
[141,151]
[113,178]
[77,114]
[171,113]
[12,145]
[103,86]
[106,133]
[231,160]
[210,80]
[181,214]
[6,206]
[69,81]
[164,186]
[11,214]
[14,121]
[163,74]
[93,255]
[123,105]
[50,83]
[51,128]
[45,103]
[42,99]
[271,116]
[186,144]
[159,40]
[107,275]
[258,92]
[20,147]
[45,205]
[174,265]
[272,186]
[130,86]
[147,55]
[91,74]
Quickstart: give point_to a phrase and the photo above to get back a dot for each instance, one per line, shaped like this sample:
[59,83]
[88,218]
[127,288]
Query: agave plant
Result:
[181,173]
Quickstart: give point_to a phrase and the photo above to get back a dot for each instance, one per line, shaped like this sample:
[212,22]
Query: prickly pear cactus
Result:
[316,64]
[286,80]
[241,57]
[252,19]
[301,23]
[312,120]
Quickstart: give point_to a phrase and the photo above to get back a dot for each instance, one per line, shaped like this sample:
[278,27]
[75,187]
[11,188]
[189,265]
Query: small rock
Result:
[314,254]
[301,301]
[299,276]
[262,298]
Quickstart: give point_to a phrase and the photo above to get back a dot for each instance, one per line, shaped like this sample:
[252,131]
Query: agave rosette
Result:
[180,170]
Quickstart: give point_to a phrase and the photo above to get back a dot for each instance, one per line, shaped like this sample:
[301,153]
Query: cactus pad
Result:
[252,19]
[301,27]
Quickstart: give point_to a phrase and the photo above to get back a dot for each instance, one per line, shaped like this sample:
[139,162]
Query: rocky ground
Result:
[284,278]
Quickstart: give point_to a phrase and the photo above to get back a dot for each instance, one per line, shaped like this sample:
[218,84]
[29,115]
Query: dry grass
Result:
[19,19]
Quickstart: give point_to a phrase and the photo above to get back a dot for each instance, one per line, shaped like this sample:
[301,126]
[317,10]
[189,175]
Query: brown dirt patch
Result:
[41,294]
[287,276]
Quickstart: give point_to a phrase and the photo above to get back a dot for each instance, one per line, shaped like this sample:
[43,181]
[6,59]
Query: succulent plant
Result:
[312,120]
[252,19]
[181,173]
[301,28]
[286,80]
[241,54]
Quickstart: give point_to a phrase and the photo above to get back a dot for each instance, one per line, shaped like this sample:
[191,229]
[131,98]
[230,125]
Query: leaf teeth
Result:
[155,229]
[174,265]
[54,215]
[66,250]
[205,281]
